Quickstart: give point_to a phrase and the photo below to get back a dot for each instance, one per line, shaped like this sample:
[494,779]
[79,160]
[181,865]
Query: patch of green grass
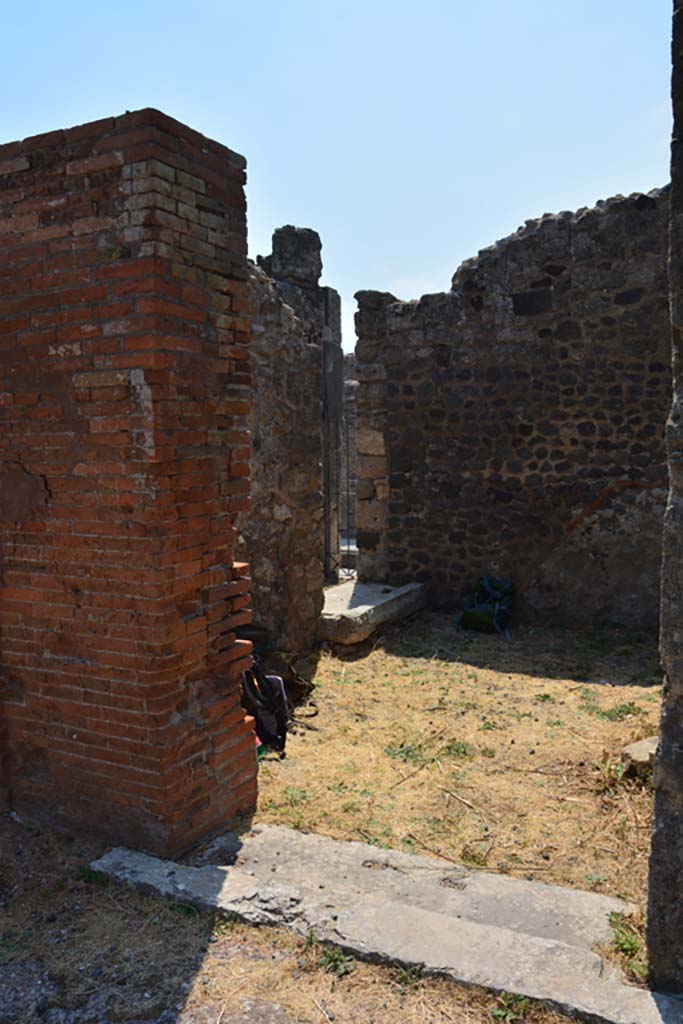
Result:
[545,698]
[11,948]
[295,795]
[407,750]
[487,752]
[408,977]
[617,713]
[224,922]
[343,680]
[183,909]
[334,961]
[610,774]
[92,877]
[338,787]
[456,748]
[627,941]
[488,726]
[509,1009]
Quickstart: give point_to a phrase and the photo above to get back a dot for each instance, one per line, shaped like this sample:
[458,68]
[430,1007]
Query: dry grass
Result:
[500,755]
[482,752]
[119,956]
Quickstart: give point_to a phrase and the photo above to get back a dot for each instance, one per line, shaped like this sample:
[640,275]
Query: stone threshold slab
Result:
[353,611]
[475,928]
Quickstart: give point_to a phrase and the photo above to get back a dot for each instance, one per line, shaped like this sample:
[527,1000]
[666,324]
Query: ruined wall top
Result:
[559,239]
[295,256]
[602,218]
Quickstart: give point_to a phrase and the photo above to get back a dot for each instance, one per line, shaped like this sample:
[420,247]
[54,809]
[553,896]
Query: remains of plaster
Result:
[514,424]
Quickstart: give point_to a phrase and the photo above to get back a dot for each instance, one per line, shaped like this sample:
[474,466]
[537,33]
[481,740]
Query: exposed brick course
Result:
[124,389]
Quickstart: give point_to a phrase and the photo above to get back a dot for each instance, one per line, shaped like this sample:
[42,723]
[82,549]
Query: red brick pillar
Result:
[124,388]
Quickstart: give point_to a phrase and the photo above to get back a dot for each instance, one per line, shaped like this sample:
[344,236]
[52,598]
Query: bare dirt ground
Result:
[495,754]
[502,756]
[76,948]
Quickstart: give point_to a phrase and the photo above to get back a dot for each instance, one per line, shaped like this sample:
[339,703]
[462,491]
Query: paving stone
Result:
[477,928]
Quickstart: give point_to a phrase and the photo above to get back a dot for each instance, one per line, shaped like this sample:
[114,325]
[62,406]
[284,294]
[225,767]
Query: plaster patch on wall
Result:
[23,495]
[142,394]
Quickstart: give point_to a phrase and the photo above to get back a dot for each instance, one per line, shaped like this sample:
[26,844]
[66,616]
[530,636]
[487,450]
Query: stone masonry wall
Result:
[514,424]
[296,265]
[282,534]
[296,356]
[124,390]
[665,908]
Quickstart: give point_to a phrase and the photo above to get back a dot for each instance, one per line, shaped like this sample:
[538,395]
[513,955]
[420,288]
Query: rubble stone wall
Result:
[296,358]
[665,912]
[282,534]
[514,424]
[124,460]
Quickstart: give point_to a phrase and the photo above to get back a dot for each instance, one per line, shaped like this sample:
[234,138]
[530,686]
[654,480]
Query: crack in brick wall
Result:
[124,392]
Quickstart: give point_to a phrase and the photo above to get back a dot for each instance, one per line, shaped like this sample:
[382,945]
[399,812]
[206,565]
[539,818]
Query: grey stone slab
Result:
[353,611]
[476,928]
[316,864]
[639,757]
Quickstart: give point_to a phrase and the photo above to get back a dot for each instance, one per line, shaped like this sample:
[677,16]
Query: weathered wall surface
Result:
[349,458]
[514,424]
[665,908]
[296,265]
[124,387]
[296,358]
[282,534]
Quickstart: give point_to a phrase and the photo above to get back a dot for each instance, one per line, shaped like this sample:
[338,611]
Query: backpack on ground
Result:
[489,607]
[263,696]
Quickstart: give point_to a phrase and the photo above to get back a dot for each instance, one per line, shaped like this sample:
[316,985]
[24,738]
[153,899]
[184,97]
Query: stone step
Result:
[353,611]
[354,871]
[476,928]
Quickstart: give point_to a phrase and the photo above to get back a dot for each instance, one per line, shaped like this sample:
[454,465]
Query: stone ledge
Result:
[353,610]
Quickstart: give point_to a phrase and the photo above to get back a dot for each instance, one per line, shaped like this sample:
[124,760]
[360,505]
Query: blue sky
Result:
[409,133]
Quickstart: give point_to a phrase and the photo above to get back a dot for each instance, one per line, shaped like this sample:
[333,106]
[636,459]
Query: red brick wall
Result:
[124,386]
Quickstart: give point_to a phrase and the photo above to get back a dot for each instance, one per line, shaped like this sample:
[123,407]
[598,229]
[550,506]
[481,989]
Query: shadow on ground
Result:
[603,655]
[78,948]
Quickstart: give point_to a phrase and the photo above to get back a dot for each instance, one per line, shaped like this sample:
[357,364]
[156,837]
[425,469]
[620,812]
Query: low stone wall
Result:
[514,424]
[296,357]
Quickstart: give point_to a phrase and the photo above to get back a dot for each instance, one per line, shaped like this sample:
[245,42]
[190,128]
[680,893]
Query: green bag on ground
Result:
[489,607]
